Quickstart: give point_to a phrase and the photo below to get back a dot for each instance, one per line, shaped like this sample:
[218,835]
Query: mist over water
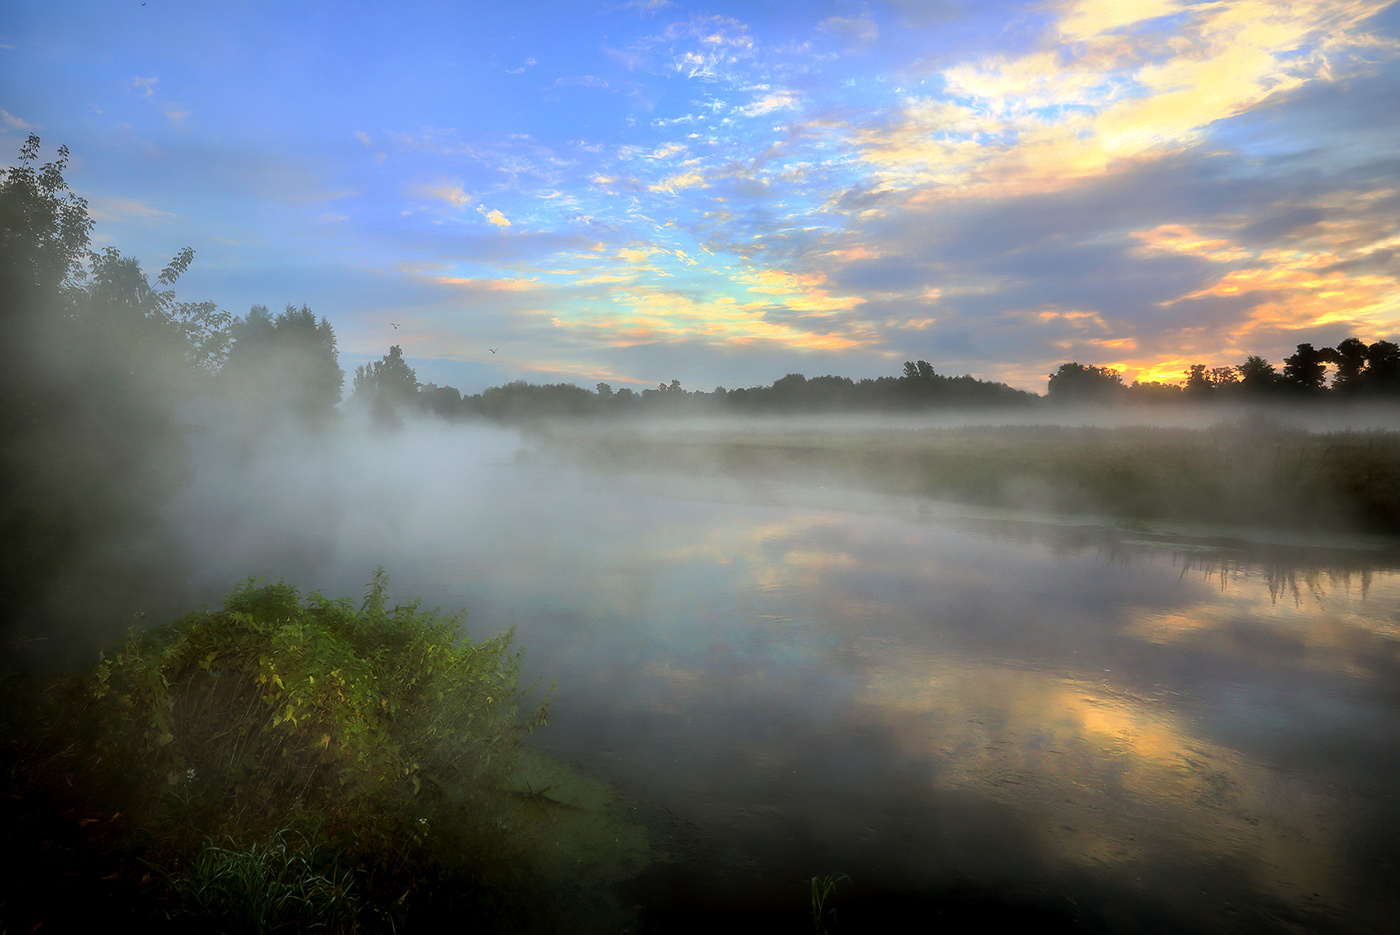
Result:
[1134,732]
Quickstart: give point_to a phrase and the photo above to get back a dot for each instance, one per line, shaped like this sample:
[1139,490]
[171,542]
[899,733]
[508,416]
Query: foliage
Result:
[285,365]
[44,230]
[387,386]
[274,709]
[1075,382]
[99,358]
[823,892]
[265,887]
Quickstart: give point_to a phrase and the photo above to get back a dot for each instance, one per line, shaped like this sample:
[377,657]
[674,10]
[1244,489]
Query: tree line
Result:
[1353,370]
[389,388]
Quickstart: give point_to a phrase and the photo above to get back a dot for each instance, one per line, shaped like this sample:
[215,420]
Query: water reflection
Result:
[1186,738]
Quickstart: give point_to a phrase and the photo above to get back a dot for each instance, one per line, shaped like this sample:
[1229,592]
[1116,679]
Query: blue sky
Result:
[725,193]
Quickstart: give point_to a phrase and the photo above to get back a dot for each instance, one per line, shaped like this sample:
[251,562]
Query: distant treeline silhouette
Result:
[919,387]
[1358,371]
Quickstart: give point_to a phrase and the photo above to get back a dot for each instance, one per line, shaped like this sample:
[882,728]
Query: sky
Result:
[724,193]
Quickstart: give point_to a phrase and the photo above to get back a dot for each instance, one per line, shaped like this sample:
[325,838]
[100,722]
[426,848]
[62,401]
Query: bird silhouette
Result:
[394,325]
[491,349]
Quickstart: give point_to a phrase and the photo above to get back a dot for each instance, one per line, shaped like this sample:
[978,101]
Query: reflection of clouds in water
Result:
[1110,779]
[891,632]
[1338,622]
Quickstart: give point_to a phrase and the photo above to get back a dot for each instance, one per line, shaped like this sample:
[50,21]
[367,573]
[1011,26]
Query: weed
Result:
[823,893]
[263,888]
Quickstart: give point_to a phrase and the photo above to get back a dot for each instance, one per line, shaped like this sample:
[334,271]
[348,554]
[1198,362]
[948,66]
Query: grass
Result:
[823,894]
[266,887]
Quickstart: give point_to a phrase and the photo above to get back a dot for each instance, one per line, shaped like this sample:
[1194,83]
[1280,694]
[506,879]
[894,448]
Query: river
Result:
[1077,727]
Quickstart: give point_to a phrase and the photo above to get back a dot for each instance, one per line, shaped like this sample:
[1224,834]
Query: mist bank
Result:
[1259,473]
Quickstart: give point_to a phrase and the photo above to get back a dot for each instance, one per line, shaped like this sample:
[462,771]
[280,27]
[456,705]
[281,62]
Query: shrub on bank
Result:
[367,746]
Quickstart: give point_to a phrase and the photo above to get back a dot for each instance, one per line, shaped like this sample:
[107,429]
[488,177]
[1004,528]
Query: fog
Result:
[1041,712]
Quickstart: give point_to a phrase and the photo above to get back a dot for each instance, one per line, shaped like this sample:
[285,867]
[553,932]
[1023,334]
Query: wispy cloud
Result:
[645,6]
[10,120]
[146,85]
[859,29]
[449,193]
[526,65]
[769,102]
[582,81]
[106,208]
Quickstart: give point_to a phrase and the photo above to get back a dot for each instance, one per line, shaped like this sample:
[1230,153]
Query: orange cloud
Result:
[1111,89]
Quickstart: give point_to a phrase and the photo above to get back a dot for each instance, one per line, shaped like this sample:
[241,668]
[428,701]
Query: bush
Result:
[275,707]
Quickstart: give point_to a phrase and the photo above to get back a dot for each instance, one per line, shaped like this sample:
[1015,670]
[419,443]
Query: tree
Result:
[1306,370]
[100,357]
[1382,373]
[1075,382]
[44,235]
[1258,377]
[1198,381]
[1350,358]
[386,386]
[287,365]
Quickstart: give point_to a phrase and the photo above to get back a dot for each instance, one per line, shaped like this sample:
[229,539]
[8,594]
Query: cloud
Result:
[147,85]
[363,137]
[583,81]
[644,6]
[497,218]
[800,292]
[1112,92]
[490,285]
[718,46]
[675,183]
[10,120]
[648,314]
[860,29]
[176,113]
[104,208]
[527,64]
[773,100]
[442,141]
[449,193]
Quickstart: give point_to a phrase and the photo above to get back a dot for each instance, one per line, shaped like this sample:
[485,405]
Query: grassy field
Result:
[1257,474]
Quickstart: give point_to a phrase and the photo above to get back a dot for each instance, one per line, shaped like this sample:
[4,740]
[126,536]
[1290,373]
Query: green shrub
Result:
[274,711]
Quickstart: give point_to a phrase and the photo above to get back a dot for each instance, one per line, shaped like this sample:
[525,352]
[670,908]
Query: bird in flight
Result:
[491,349]
[394,325]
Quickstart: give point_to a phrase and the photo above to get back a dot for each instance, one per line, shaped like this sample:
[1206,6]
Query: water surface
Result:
[1103,730]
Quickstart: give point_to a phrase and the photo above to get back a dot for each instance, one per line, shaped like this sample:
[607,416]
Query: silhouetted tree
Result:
[1306,370]
[1382,373]
[1350,358]
[1075,382]
[1258,377]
